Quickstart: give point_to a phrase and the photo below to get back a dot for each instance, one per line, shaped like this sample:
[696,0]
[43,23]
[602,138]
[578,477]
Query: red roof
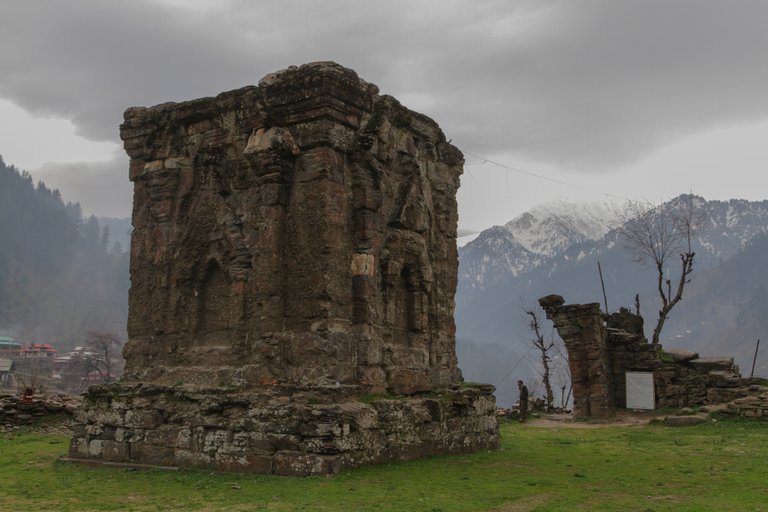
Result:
[39,347]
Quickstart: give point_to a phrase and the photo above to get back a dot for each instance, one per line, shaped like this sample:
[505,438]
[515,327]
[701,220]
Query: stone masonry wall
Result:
[297,434]
[753,406]
[16,411]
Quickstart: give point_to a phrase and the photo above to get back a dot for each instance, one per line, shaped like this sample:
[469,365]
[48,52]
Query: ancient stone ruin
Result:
[293,269]
[603,348]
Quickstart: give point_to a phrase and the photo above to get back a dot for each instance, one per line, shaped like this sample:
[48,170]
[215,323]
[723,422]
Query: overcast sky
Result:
[576,99]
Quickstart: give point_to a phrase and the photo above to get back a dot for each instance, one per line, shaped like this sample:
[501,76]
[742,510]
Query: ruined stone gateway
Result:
[293,269]
[603,348]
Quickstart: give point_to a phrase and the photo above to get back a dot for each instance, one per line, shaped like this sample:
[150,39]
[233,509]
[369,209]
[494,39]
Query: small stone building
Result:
[293,270]
[6,373]
[603,349]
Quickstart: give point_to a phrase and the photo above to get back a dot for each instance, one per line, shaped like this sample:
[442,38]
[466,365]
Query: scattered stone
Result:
[680,355]
[724,364]
[48,412]
[754,406]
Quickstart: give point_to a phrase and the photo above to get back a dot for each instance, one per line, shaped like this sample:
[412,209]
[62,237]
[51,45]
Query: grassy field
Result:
[721,466]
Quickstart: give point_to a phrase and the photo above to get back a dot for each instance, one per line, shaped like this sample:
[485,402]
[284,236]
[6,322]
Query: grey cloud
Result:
[589,84]
[89,60]
[100,187]
[595,84]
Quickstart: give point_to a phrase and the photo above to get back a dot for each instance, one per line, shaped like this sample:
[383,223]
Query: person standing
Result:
[523,403]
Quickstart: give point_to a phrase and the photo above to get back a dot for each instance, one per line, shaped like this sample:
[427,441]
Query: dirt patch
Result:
[620,419]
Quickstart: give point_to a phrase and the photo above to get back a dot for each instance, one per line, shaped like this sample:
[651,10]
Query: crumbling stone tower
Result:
[293,258]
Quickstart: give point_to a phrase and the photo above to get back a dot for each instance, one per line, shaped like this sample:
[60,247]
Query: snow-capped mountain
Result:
[529,240]
[500,272]
[728,226]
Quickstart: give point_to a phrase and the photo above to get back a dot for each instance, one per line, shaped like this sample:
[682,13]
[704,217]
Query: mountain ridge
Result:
[528,241]
[490,314]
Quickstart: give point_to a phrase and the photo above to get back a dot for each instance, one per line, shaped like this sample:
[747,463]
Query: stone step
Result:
[713,363]
[680,355]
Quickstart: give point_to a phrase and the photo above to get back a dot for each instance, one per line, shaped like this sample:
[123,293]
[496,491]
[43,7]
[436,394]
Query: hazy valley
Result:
[555,248]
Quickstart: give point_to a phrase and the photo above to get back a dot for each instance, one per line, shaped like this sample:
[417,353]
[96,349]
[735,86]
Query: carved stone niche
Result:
[293,260]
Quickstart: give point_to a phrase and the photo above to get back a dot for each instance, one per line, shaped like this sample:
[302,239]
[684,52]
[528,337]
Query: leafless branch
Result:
[654,234]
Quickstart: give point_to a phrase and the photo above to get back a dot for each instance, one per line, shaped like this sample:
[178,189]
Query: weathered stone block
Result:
[302,464]
[713,363]
[113,451]
[165,436]
[683,421]
[78,447]
[681,356]
[145,453]
[95,448]
[191,458]
[142,418]
[408,381]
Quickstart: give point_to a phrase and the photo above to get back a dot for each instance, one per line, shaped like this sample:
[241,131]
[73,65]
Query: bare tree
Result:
[32,381]
[561,375]
[103,355]
[655,234]
[533,316]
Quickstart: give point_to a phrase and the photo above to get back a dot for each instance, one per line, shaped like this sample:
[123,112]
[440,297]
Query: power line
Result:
[513,368]
[485,160]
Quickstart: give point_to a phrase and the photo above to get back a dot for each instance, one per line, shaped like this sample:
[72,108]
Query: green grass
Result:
[708,467]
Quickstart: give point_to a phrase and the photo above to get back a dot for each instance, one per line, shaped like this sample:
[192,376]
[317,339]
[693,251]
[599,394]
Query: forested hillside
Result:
[60,274]
[726,309]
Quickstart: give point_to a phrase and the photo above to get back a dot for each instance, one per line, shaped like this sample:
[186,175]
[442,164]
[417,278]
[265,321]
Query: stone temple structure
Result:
[602,349]
[293,269]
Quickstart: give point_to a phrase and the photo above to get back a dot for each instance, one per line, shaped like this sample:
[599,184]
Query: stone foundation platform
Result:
[281,431]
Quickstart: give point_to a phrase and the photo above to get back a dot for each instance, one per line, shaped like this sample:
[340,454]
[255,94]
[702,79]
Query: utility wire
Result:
[485,160]
[513,368]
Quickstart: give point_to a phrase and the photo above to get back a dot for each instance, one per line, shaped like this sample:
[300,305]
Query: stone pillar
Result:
[581,326]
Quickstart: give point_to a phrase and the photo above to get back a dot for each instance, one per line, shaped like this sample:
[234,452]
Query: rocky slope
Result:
[528,241]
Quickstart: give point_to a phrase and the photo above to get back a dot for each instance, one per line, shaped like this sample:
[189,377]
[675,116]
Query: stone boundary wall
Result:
[681,378]
[15,411]
[284,432]
[753,407]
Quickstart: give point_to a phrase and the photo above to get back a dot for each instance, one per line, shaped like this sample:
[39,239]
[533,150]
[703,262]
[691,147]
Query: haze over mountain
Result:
[721,312]
[61,275]
[726,310]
